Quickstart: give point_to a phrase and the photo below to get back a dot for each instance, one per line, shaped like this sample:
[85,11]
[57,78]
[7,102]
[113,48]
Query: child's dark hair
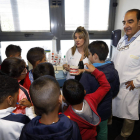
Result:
[44,93]
[8,86]
[43,69]
[73,91]
[12,50]
[35,54]
[100,48]
[12,67]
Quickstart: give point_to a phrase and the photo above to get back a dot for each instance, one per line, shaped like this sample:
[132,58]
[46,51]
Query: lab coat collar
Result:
[77,52]
[136,35]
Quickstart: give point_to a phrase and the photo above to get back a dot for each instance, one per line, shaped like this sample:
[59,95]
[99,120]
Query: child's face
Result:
[43,60]
[91,57]
[23,74]
[40,61]
[18,55]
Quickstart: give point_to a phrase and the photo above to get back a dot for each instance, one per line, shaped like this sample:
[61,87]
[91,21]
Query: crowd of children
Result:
[32,111]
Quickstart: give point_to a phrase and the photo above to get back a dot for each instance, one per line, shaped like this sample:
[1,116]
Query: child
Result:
[82,109]
[13,51]
[16,68]
[10,124]
[47,69]
[34,56]
[43,69]
[45,94]
[98,51]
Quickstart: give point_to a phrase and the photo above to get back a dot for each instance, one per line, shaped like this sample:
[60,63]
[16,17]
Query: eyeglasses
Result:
[24,71]
[119,48]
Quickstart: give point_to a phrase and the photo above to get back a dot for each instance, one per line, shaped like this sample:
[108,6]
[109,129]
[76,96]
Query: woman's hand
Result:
[90,69]
[66,67]
[25,102]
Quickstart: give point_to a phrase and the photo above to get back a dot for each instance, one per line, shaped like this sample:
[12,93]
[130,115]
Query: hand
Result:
[25,102]
[66,67]
[80,71]
[90,69]
[130,84]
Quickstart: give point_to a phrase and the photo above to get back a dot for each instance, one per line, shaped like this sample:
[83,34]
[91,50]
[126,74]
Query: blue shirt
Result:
[31,76]
[132,38]
[100,64]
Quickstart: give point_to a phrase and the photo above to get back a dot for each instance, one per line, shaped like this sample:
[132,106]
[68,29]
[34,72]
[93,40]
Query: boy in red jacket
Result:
[83,108]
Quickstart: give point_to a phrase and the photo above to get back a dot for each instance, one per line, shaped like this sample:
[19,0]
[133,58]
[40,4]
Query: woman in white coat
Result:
[79,52]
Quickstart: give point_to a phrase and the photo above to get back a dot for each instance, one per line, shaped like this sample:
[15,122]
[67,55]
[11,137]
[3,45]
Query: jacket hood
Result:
[108,69]
[63,129]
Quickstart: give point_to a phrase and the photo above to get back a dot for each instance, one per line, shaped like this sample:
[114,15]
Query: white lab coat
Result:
[127,63]
[73,60]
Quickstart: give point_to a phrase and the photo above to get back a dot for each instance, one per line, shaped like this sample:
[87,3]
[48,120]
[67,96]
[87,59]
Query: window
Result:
[25,46]
[25,15]
[92,14]
[34,21]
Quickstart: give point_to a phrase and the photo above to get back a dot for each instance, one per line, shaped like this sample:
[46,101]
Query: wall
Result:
[123,6]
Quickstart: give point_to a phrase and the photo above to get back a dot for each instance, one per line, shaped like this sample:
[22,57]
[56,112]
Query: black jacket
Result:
[91,85]
[64,129]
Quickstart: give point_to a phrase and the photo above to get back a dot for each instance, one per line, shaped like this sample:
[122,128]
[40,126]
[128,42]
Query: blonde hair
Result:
[84,34]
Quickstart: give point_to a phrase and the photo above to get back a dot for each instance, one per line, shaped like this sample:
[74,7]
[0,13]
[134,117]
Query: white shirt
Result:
[73,60]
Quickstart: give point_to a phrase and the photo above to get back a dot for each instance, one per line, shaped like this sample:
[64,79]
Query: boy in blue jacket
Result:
[98,51]
[46,97]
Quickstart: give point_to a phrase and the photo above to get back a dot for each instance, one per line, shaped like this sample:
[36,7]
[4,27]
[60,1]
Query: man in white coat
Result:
[127,62]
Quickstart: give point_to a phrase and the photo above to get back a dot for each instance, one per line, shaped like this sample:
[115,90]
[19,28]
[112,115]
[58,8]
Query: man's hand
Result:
[90,69]
[130,85]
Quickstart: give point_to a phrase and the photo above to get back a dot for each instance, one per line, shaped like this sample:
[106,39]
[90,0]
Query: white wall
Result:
[123,6]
